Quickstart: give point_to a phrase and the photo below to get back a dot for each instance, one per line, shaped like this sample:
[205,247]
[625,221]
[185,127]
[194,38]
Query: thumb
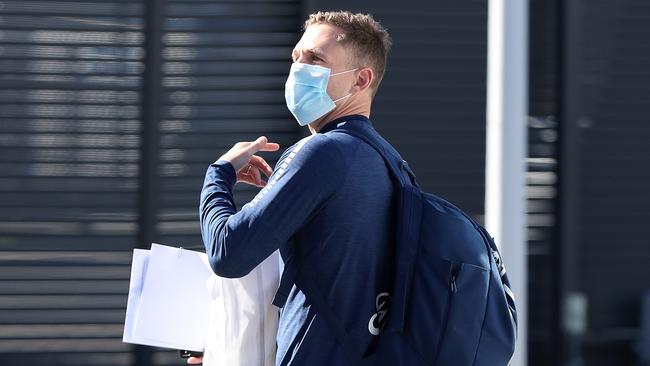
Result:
[261,141]
[258,145]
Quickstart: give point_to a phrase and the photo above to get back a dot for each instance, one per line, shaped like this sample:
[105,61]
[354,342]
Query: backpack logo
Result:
[499,262]
[377,320]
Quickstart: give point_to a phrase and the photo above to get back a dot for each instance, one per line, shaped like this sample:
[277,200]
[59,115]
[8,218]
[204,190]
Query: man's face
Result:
[320,46]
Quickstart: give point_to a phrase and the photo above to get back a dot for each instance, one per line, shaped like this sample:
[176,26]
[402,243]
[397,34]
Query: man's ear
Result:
[364,80]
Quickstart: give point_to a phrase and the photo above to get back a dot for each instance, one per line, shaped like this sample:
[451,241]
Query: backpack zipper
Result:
[452,289]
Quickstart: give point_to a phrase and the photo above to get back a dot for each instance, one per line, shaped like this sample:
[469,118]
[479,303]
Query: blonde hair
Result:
[365,37]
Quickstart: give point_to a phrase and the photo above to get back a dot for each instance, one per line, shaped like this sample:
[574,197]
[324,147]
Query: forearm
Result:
[216,206]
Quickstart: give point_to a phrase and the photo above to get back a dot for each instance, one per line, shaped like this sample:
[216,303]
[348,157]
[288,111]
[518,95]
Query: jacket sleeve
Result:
[236,242]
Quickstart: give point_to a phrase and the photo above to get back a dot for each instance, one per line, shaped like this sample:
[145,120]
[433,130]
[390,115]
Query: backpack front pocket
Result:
[467,307]
[429,304]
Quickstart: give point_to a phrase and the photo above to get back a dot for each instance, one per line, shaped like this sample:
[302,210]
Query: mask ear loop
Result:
[339,73]
[343,97]
[344,72]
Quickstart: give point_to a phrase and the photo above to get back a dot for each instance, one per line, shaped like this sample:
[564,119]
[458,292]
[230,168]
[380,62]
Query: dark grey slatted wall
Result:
[431,104]
[542,183]
[612,110]
[225,64]
[224,68]
[69,123]
[69,136]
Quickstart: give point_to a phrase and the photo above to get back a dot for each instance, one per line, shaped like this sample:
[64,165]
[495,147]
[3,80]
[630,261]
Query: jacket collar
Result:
[329,126]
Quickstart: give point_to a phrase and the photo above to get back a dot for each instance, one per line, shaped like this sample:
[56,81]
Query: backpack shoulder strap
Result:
[410,207]
[396,165]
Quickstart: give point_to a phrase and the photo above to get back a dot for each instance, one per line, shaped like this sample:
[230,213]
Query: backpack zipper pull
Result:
[452,282]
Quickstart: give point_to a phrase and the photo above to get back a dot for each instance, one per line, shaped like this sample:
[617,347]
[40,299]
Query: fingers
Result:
[262,144]
[257,178]
[252,179]
[252,176]
[195,360]
[260,163]
[241,154]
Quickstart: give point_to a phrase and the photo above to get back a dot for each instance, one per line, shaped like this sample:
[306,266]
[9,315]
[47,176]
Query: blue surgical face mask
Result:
[306,92]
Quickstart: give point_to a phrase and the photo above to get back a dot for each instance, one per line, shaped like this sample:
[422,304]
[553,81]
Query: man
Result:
[326,206]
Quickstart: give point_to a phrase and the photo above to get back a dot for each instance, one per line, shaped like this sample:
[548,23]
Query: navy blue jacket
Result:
[328,205]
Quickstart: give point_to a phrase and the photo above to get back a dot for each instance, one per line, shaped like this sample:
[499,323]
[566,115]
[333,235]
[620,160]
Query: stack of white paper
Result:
[169,302]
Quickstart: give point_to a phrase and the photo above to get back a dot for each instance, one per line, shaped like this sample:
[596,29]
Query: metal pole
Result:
[569,143]
[149,150]
[505,171]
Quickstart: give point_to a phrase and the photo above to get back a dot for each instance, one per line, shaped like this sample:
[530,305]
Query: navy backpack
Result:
[451,300]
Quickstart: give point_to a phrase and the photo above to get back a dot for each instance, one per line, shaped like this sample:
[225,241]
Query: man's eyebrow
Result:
[316,51]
